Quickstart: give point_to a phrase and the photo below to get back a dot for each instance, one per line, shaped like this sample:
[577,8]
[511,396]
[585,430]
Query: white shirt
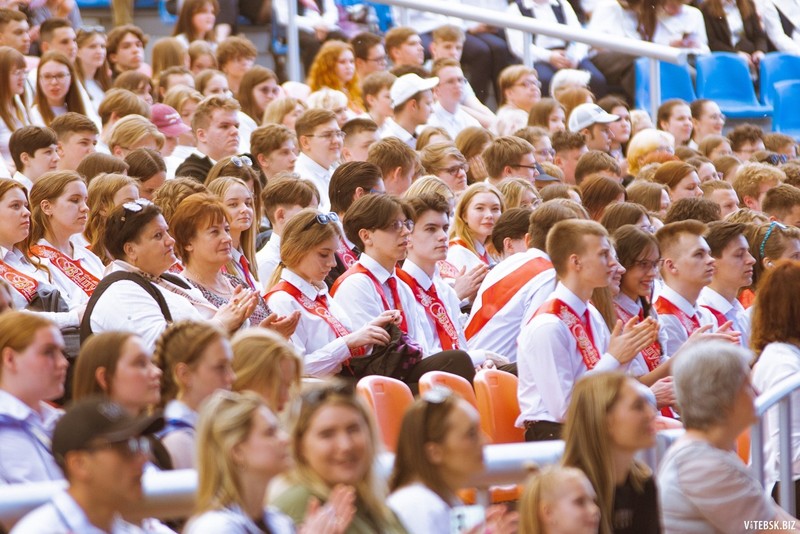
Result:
[509,119]
[180,440]
[542,44]
[638,366]
[500,333]
[72,292]
[308,19]
[768,9]
[420,510]
[24,180]
[25,441]
[323,352]
[452,306]
[460,256]
[453,123]
[391,129]
[549,363]
[17,261]
[246,127]
[233,520]
[127,306]
[311,170]
[777,362]
[268,259]
[62,515]
[733,311]
[676,333]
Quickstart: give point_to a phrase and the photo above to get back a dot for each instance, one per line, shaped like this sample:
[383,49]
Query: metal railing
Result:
[529,26]
[171,494]
[780,394]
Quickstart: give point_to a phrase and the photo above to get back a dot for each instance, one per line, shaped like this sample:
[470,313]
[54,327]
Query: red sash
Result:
[358,268]
[434,307]
[721,320]
[24,284]
[583,335]
[318,308]
[346,254]
[177,268]
[665,307]
[447,269]
[497,296]
[457,241]
[72,269]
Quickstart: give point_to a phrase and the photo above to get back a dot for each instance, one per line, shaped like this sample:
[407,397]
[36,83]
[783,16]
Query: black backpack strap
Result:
[105,283]
[177,280]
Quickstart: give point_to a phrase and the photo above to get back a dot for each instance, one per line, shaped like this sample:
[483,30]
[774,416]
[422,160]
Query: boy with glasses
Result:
[369,53]
[102,451]
[320,141]
[507,157]
[447,111]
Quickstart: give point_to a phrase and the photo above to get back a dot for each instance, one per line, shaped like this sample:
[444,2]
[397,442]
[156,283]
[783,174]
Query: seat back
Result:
[388,399]
[454,382]
[496,392]
[786,119]
[676,82]
[725,78]
[776,67]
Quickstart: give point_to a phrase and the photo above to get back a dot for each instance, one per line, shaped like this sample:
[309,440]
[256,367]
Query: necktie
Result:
[246,269]
[392,283]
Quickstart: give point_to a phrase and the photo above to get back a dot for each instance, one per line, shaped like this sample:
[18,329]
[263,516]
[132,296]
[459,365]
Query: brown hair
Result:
[595,161]
[12,111]
[121,102]
[206,108]
[73,99]
[541,111]
[255,76]
[622,213]
[103,74]
[300,236]
[672,172]
[195,213]
[347,178]
[776,313]
[544,218]
[169,196]
[669,234]
[99,163]
[700,209]
[566,238]
[101,204]
[372,212]
[750,178]
[780,200]
[504,151]
[513,223]
[390,153]
[233,48]
[184,23]
[101,350]
[288,191]
[598,192]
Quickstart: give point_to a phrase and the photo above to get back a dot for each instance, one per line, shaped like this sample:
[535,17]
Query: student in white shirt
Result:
[325,335]
[687,268]
[282,198]
[320,140]
[516,287]
[274,147]
[32,372]
[58,214]
[412,101]
[476,213]
[34,150]
[13,114]
[567,336]
[195,360]
[380,225]
[447,111]
[398,163]
[446,162]
[733,270]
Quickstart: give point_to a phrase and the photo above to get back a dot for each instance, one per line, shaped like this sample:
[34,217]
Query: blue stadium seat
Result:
[786,119]
[725,78]
[676,82]
[106,4]
[166,17]
[776,67]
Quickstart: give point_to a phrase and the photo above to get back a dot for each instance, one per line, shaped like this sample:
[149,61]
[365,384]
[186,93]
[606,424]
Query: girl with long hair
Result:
[559,500]
[196,22]
[476,214]
[106,191]
[335,68]
[92,64]
[259,87]
[57,89]
[13,113]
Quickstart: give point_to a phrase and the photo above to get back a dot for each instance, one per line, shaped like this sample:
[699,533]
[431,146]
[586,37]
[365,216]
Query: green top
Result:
[294,503]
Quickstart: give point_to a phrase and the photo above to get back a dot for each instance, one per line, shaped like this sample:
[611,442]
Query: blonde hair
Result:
[433,156]
[300,237]
[513,189]
[430,184]
[276,110]
[327,98]
[541,488]
[18,330]
[643,143]
[49,186]
[257,357]
[247,241]
[134,129]
[101,202]
[460,228]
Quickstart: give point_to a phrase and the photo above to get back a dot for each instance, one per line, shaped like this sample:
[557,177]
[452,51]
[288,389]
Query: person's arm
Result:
[774,29]
[304,22]
[475,107]
[516,39]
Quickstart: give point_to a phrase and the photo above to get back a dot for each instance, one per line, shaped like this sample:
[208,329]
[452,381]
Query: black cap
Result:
[99,419]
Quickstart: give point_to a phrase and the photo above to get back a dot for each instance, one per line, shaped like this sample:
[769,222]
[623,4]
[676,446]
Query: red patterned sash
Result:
[360,269]
[346,254]
[651,353]
[582,335]
[24,284]
[447,269]
[434,307]
[665,307]
[72,269]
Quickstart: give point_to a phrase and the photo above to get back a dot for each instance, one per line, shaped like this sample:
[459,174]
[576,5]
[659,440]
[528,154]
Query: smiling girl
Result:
[239,205]
[335,68]
[196,22]
[475,217]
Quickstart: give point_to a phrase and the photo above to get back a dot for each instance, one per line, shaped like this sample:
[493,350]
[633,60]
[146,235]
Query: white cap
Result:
[585,115]
[408,85]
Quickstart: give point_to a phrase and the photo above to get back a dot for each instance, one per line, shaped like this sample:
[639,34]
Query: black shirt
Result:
[636,512]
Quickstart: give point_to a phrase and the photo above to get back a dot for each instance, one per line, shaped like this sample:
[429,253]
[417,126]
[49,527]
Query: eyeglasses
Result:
[455,169]
[649,228]
[775,159]
[717,117]
[667,149]
[771,228]
[648,265]
[128,448]
[528,84]
[242,161]
[379,60]
[19,73]
[322,218]
[60,77]
[397,225]
[328,136]
[545,152]
[455,81]
[534,168]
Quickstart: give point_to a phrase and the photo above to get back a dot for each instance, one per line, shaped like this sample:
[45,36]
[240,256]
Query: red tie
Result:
[246,269]
[392,283]
[587,324]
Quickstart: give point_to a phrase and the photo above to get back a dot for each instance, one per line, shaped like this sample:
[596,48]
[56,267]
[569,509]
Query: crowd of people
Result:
[199,262]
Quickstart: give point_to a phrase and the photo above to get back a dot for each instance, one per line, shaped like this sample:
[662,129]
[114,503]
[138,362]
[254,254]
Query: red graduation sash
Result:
[717,315]
[665,307]
[434,307]
[458,241]
[497,296]
[582,336]
[346,254]
[317,308]
[360,269]
[71,268]
[24,284]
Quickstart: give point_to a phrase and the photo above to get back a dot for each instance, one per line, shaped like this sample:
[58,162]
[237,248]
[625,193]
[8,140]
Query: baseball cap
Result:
[98,418]
[168,120]
[408,85]
[585,115]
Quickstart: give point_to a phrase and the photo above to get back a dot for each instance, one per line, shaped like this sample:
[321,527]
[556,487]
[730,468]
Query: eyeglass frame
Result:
[396,225]
[322,219]
[450,170]
[330,135]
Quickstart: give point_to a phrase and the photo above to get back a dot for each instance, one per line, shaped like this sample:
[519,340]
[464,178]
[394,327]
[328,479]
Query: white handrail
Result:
[170,494]
[780,394]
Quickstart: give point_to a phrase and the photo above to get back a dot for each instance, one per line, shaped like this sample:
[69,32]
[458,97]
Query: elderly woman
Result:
[139,294]
[703,485]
